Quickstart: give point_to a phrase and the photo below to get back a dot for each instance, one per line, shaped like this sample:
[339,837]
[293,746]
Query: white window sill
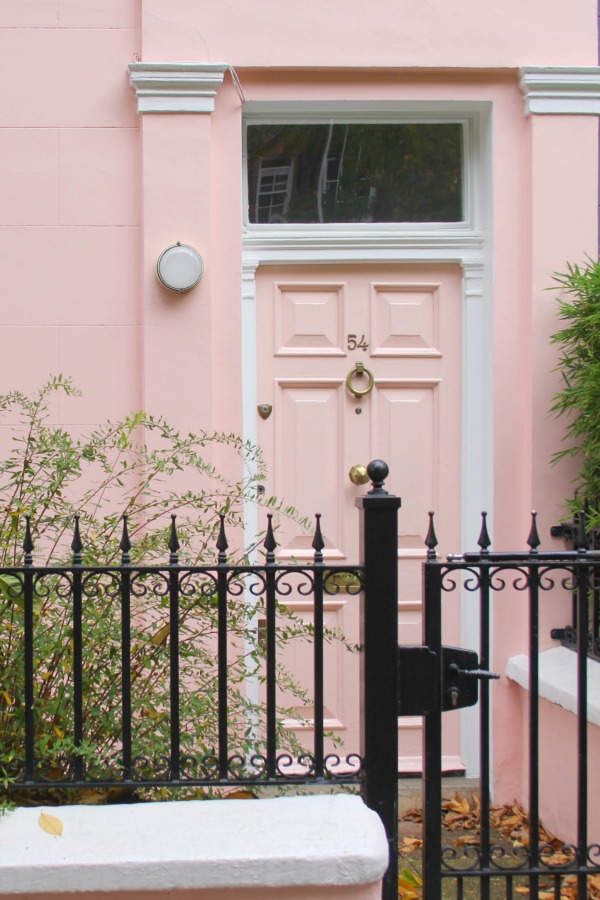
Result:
[558,679]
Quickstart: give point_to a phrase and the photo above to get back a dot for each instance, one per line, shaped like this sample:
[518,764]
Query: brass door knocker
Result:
[360,371]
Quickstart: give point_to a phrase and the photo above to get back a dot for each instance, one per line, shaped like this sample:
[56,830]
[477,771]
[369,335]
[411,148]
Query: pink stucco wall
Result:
[70,210]
[558,769]
[91,193]
[313,34]
[558,226]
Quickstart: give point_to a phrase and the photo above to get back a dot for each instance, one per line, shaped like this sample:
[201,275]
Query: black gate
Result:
[454,679]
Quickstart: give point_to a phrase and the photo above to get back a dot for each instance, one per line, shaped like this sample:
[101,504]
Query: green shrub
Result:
[133,467]
[579,364]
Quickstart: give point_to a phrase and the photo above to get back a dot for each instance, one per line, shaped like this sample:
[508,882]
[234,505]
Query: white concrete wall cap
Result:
[558,679]
[319,840]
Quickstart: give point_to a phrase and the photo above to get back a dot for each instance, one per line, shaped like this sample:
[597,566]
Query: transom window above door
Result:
[355,172]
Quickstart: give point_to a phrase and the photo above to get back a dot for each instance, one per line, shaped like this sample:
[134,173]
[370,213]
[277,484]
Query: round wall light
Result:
[179,267]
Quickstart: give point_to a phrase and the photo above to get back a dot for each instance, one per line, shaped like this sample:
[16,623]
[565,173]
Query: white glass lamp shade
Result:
[179,267]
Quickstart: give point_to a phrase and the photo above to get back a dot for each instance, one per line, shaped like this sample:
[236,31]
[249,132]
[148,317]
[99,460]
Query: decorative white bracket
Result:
[561,90]
[176,87]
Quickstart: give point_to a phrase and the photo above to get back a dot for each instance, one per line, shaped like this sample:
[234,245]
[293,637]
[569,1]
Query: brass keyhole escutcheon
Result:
[264,410]
[358,475]
[358,372]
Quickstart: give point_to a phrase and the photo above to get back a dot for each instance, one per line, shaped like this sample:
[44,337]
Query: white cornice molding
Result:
[354,244]
[176,87]
[561,90]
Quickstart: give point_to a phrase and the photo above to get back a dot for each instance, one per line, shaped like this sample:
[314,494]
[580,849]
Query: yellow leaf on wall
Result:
[50,823]
[161,635]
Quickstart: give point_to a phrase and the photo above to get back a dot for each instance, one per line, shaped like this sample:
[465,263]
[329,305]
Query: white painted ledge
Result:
[290,841]
[558,679]
[561,90]
[177,87]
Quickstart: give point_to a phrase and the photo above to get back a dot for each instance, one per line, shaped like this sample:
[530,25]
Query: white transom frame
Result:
[389,113]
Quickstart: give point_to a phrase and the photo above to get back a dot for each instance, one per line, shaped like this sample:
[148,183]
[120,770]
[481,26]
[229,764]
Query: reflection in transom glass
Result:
[355,172]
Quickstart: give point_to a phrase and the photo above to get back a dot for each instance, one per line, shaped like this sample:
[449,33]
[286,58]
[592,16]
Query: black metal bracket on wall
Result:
[418,692]
[569,532]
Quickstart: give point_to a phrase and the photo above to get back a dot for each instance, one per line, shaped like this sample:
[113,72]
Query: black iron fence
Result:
[534,866]
[581,538]
[137,676]
[170,676]
[109,640]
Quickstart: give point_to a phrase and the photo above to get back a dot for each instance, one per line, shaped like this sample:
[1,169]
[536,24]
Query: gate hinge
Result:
[419,690]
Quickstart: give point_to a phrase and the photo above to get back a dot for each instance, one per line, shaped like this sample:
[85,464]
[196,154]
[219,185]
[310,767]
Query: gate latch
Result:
[418,693]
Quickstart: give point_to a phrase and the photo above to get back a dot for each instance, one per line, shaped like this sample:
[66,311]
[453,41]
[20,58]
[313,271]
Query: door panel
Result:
[304,410]
[405,319]
[402,322]
[308,319]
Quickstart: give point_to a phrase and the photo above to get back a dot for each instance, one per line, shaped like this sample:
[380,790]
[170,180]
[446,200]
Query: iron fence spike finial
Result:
[270,543]
[28,541]
[76,543]
[431,540]
[173,543]
[125,543]
[222,542]
[484,541]
[318,542]
[534,539]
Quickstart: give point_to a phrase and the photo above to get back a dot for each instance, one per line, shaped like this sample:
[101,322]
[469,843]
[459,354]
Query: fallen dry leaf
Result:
[50,823]
[461,812]
[509,821]
[467,842]
[512,821]
[239,794]
[520,836]
[412,815]
[410,844]
[454,820]
[556,858]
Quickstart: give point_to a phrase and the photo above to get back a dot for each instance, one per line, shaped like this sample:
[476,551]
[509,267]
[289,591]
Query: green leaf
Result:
[11,589]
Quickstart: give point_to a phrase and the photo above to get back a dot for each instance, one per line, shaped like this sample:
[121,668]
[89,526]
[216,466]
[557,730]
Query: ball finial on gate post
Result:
[378,471]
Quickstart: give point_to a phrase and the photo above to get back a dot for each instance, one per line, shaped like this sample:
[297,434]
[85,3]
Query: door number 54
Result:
[354,344]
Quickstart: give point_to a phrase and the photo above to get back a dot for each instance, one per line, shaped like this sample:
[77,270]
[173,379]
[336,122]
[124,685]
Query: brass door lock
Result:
[358,475]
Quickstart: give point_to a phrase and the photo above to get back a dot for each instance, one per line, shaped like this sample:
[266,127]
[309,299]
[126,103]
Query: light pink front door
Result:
[402,322]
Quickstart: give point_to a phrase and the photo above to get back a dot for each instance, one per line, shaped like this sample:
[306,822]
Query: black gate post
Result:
[379,660]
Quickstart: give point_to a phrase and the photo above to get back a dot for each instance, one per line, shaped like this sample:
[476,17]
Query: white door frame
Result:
[465,245]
